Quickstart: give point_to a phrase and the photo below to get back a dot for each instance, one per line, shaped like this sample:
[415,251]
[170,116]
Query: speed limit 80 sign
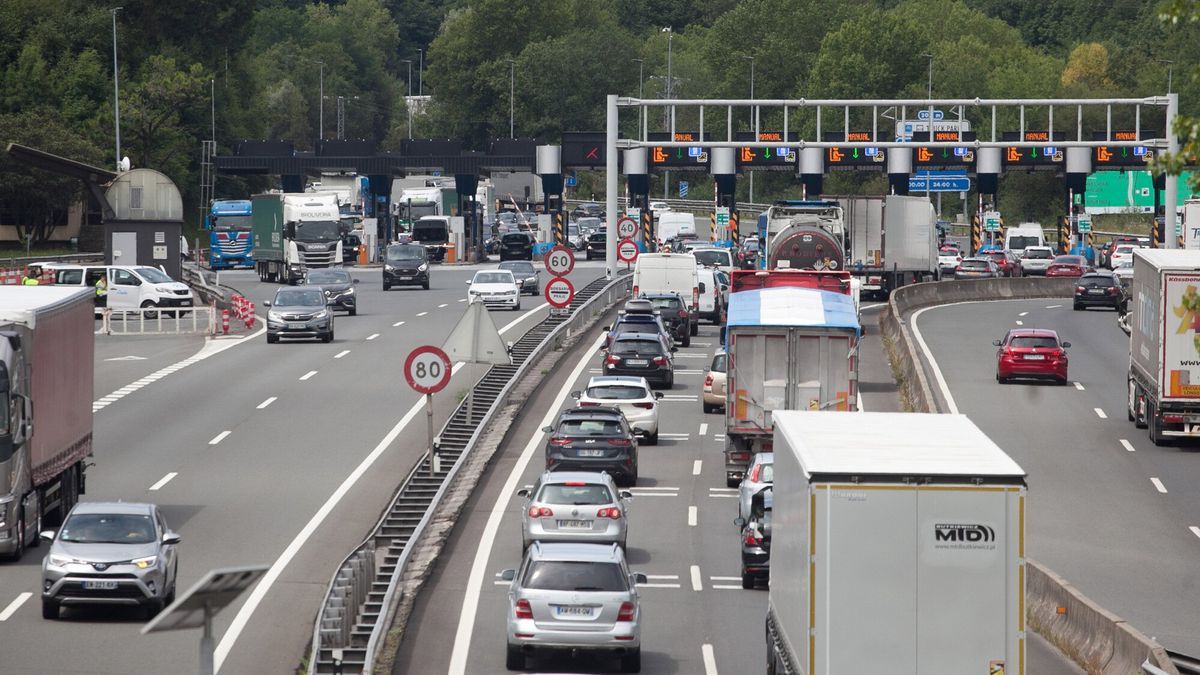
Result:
[427,369]
[559,261]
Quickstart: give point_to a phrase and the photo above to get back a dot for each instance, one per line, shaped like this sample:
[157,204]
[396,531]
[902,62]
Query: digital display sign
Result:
[1048,155]
[1104,156]
[584,149]
[678,158]
[956,157]
[853,158]
[781,155]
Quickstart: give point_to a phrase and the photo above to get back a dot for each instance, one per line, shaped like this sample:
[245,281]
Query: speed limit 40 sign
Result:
[626,227]
[427,369]
[560,261]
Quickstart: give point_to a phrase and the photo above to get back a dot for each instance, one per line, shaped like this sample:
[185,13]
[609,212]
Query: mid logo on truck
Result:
[948,535]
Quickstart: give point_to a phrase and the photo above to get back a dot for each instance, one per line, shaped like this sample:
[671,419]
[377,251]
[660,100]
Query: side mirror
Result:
[724,288]
[171,538]
[548,430]
[468,282]
[508,575]
[576,395]
[996,343]
[523,492]
[658,395]
[739,521]
[626,494]
[47,535]
[639,578]
[267,303]
[1066,345]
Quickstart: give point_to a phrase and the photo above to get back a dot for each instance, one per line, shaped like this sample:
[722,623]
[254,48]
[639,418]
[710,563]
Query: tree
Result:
[1183,15]
[155,110]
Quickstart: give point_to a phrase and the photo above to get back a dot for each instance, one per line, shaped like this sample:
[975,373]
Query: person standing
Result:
[30,278]
[102,292]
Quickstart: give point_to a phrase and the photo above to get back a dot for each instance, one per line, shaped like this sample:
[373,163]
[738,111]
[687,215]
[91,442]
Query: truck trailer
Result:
[47,351]
[892,241]
[804,235]
[897,547]
[294,233]
[1164,343]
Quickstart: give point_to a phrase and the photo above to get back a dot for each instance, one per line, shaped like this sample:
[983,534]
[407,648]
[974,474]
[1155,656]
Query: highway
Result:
[696,616]
[1116,516]
[250,449]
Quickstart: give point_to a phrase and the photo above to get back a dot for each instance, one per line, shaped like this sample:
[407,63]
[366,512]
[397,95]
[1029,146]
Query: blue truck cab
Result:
[230,235]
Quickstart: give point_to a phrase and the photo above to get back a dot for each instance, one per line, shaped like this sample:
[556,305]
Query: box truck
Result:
[896,547]
[293,233]
[1164,343]
[893,241]
[47,348]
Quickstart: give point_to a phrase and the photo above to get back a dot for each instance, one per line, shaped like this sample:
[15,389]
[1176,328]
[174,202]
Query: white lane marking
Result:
[696,467]
[372,336]
[872,305]
[724,489]
[663,576]
[127,358]
[260,591]
[710,661]
[462,299]
[502,583]
[219,437]
[1195,530]
[656,494]
[1020,323]
[727,587]
[341,353]
[1127,445]
[163,481]
[699,355]
[703,428]
[443,305]
[937,372]
[686,371]
[650,585]
[470,600]
[1023,314]
[422,313]
[714,494]
[524,316]
[1053,306]
[677,437]
[1079,386]
[701,344]
[1158,485]
[1100,413]
[691,516]
[697,581]
[716,578]
[267,402]
[15,605]
[307,375]
[639,490]
[397,324]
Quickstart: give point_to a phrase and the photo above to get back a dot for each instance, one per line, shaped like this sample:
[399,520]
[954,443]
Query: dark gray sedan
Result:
[526,275]
[299,313]
[338,288]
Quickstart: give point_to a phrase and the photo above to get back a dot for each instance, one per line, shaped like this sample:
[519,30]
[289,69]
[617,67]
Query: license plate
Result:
[186,303]
[1095,291]
[404,278]
[1035,357]
[100,585]
[637,362]
[297,326]
[565,610]
[575,524]
[591,453]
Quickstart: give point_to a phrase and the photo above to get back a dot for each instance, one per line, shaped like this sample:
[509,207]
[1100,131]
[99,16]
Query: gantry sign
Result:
[1050,135]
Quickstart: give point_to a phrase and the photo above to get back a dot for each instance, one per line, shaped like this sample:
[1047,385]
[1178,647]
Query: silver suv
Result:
[110,554]
[574,598]
[579,506]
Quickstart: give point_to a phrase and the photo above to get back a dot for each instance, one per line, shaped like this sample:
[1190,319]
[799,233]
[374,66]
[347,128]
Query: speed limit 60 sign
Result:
[427,369]
[559,261]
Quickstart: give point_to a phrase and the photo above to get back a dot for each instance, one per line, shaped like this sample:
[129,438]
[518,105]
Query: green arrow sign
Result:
[945,153]
[678,153]
[766,153]
[855,153]
[1033,152]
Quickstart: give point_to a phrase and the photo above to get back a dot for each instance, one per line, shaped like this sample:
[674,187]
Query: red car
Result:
[1068,266]
[1009,264]
[1033,353]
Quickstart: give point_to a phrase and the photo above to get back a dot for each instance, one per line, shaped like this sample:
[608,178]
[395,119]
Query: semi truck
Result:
[897,546]
[892,241]
[1164,344]
[230,234]
[418,202]
[802,234]
[790,347]
[47,351]
[294,233]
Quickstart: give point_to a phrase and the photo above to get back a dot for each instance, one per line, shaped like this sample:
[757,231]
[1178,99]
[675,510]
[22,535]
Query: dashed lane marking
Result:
[1100,413]
[1023,314]
[1195,530]
[1079,386]
[1020,323]
[397,324]
[422,313]
[661,581]
[692,516]
[1053,306]
[1158,485]
[675,437]
[697,581]
[342,353]
[1127,445]
[703,428]
[267,402]
[696,467]
[219,437]
[443,305]
[307,375]
[15,605]
[372,336]
[163,481]
[710,660]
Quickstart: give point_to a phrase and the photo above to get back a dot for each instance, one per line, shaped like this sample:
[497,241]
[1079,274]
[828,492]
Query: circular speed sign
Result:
[559,292]
[427,369]
[627,251]
[626,227]
[560,260]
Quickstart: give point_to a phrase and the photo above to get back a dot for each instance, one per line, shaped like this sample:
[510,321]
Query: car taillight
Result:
[524,611]
[587,404]
[612,360]
[559,441]
[660,360]
[1112,290]
[708,380]
[620,442]
[755,472]
[645,405]
[958,269]
[635,290]
[540,512]
[752,539]
[739,456]
[695,297]
[610,512]
[627,611]
[1173,419]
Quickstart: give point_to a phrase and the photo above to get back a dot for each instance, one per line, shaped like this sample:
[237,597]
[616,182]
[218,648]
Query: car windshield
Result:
[108,528]
[598,237]
[578,494]
[563,575]
[591,223]
[711,257]
[299,298]
[1124,249]
[318,230]
[405,253]
[516,238]
[617,392]
[1125,265]
[328,277]
[153,275]
[433,232]
[666,303]
[1096,281]
[517,267]
[719,363]
[493,278]
[1033,342]
[637,347]
[233,223]
[1039,253]
[751,245]
[1020,242]
[589,427]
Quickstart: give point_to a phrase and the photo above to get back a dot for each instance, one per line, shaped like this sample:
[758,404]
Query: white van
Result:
[129,286]
[676,225]
[714,290]
[669,273]
[712,256]
[1023,236]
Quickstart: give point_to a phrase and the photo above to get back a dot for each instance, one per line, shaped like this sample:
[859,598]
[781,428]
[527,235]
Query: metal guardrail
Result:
[1186,665]
[64,258]
[198,320]
[338,626]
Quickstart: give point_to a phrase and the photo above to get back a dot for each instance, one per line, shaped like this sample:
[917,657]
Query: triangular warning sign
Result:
[475,339]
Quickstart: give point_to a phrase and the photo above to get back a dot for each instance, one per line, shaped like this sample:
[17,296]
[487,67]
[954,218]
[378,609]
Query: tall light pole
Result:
[667,174]
[641,65]
[116,86]
[751,60]
[511,98]
[421,72]
[321,133]
[1170,66]
[929,174]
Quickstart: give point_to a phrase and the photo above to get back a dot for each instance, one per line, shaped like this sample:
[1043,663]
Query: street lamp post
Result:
[408,101]
[752,127]
[116,87]
[641,109]
[667,174]
[421,72]
[322,99]
[511,98]
[1170,66]
[928,178]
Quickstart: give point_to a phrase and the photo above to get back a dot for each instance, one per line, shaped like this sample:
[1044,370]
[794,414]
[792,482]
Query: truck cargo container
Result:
[805,235]
[897,546]
[295,232]
[1164,343]
[46,373]
[892,241]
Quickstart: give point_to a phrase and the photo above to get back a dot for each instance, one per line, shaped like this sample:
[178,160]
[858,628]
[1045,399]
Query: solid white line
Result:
[697,581]
[397,324]
[524,316]
[647,585]
[267,402]
[1158,485]
[696,467]
[1195,530]
[659,488]
[219,437]
[1100,413]
[710,661]
[663,576]
[725,489]
[341,353]
[15,605]
[1127,445]
[307,375]
[443,305]
[703,428]
[372,336]
[937,372]
[656,494]
[1053,306]
[691,516]
[422,313]
[260,591]
[711,494]
[716,578]
[1079,386]
[1023,314]
[682,437]
[727,587]
[164,480]
[470,600]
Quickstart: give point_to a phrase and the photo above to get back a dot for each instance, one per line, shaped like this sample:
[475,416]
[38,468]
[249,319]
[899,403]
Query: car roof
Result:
[1032,332]
[136,508]
[559,477]
[609,380]
[608,553]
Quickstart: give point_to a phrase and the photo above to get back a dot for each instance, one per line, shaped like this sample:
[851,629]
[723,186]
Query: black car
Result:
[675,314]
[516,246]
[638,323]
[593,439]
[747,256]
[525,274]
[350,244]
[597,245]
[337,286]
[1097,289]
[641,355]
[405,265]
[756,539]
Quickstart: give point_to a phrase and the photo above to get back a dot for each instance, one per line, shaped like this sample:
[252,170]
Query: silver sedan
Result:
[760,474]
[580,506]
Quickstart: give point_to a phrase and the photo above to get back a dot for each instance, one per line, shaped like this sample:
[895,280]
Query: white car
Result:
[1124,271]
[1123,252]
[631,395]
[495,288]
[712,256]
[1036,259]
[949,259]
[659,207]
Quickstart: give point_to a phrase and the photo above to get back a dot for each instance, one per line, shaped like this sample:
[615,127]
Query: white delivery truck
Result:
[669,273]
[1164,343]
[897,547]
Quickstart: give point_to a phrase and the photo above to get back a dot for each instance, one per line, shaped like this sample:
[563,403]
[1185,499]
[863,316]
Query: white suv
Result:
[631,395]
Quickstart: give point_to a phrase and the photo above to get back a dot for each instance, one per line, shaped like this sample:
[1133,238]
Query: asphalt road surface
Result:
[251,451]
[1116,516]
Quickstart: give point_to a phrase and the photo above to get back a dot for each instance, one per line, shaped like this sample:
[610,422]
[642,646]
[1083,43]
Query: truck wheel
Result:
[731,481]
[49,609]
[1154,424]
[709,409]
[19,545]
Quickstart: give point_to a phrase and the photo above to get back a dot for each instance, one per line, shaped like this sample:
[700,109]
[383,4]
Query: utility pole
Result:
[641,64]
[212,94]
[752,127]
[667,174]
[116,86]
[511,98]
[408,101]
[928,174]
[1170,67]
[421,73]
[321,133]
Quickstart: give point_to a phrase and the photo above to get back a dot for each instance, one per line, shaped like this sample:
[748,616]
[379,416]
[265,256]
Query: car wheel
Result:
[153,607]
[149,314]
[1077,307]
[353,311]
[514,659]
[517,307]
[272,339]
[1062,382]
[632,662]
[327,338]
[747,580]
[169,599]
[387,287]
[425,285]
[687,340]
[709,409]
[732,482]
[652,439]
[49,609]
[695,328]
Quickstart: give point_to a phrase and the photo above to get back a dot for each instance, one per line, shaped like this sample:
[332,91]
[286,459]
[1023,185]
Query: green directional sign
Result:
[991,221]
[1085,224]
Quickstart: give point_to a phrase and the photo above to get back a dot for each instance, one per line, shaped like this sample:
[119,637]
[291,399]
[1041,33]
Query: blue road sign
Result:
[571,180]
[683,189]
[695,152]
[938,183]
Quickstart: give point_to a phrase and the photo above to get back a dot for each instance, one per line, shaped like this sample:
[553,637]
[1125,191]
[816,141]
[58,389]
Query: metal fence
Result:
[200,320]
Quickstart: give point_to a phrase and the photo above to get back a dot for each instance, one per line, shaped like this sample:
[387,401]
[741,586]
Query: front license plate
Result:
[296,326]
[575,524]
[1035,357]
[591,453]
[100,585]
[562,610]
[637,362]
[404,278]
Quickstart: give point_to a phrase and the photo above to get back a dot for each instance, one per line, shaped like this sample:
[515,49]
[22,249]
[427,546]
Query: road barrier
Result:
[1099,641]
[199,320]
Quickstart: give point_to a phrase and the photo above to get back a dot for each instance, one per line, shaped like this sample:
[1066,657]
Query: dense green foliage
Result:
[261,63]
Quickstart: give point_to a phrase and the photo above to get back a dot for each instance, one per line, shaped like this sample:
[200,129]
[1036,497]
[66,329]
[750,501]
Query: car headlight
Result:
[388,268]
[58,560]
[348,291]
[143,563]
[423,267]
[274,316]
[323,314]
